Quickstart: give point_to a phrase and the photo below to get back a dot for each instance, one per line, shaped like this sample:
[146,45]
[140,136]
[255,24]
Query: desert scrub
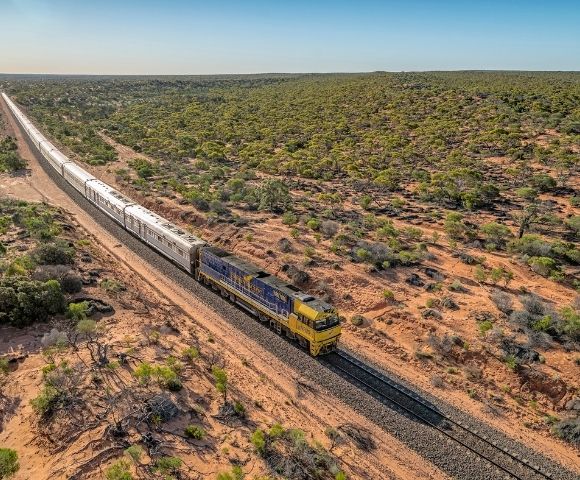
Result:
[285,449]
[8,463]
[120,470]
[195,432]
[111,285]
[10,160]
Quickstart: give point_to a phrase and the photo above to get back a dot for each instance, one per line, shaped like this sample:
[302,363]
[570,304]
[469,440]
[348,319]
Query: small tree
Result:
[274,195]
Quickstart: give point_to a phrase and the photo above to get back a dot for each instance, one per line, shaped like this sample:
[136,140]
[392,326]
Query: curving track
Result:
[367,394]
[383,388]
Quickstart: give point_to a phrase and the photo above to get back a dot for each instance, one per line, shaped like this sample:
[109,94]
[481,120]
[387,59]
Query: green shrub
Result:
[496,233]
[569,323]
[134,452]
[195,432]
[388,295]
[221,380]
[77,311]
[544,266]
[168,465]
[532,245]
[239,409]
[4,366]
[191,353]
[46,401]
[258,439]
[8,463]
[511,362]
[144,372]
[54,254]
[276,430]
[313,224]
[485,327]
[543,182]
[119,471]
[23,302]
[236,474]
[574,223]
[289,218]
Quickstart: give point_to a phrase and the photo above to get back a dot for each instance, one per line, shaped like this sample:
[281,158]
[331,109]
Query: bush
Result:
[457,286]
[71,283]
[544,266]
[357,320]
[77,311]
[119,471]
[329,228]
[568,430]
[533,304]
[258,439]
[46,401]
[502,301]
[574,223]
[496,233]
[313,224]
[273,195]
[23,302]
[388,295]
[191,353]
[543,182]
[569,323]
[168,465]
[532,245]
[134,452]
[289,218]
[485,327]
[195,432]
[8,462]
[44,273]
[54,254]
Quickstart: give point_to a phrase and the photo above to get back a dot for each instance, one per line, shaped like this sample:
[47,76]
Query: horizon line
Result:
[333,72]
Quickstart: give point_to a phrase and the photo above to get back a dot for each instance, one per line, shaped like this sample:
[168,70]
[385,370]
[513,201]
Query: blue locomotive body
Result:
[254,284]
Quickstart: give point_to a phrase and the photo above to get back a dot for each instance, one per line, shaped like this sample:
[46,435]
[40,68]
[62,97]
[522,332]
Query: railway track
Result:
[510,464]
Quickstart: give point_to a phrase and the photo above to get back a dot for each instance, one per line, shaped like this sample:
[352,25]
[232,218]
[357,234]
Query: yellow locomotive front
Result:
[315,323]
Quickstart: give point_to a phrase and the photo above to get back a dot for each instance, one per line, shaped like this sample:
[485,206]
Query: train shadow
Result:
[391,392]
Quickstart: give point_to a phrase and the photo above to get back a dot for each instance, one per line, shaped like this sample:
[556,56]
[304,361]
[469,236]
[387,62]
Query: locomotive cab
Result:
[316,323]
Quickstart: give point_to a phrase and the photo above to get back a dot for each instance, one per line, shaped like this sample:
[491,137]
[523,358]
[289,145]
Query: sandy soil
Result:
[254,374]
[395,330]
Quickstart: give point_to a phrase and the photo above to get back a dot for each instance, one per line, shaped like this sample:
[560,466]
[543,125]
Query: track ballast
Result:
[508,463]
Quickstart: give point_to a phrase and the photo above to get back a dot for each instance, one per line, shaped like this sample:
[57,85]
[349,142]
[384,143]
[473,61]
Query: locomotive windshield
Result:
[327,322]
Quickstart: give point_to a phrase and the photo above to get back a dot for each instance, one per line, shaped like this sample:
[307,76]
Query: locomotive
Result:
[313,323]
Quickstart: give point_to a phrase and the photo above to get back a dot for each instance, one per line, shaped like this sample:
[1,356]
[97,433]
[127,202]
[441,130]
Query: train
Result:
[311,322]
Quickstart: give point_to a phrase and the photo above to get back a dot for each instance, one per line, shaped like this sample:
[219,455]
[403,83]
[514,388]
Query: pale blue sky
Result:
[226,36]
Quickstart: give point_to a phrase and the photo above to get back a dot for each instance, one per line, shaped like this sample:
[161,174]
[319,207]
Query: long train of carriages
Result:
[308,320]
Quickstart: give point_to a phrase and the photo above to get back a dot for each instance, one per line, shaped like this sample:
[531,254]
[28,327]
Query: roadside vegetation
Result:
[145,402]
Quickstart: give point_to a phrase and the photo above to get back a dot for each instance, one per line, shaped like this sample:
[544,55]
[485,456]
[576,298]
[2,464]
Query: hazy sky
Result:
[227,36]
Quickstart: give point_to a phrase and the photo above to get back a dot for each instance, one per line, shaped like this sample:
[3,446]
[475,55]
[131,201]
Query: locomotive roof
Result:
[276,282]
